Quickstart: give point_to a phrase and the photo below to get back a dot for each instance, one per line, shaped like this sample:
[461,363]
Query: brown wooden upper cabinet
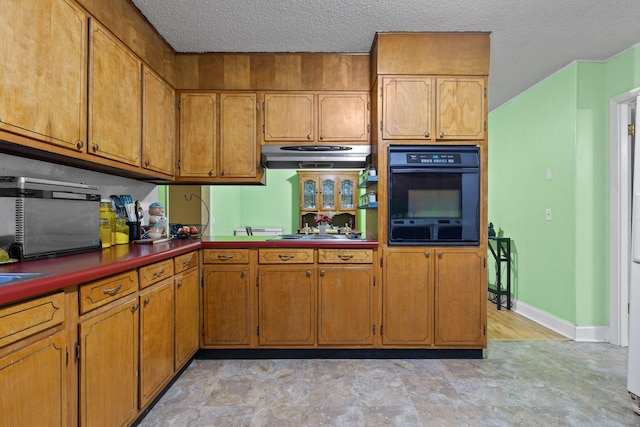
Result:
[316,117]
[218,137]
[430,109]
[44,66]
[159,121]
[115,98]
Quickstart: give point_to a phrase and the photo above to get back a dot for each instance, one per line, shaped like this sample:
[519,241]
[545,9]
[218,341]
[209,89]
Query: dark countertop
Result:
[76,269]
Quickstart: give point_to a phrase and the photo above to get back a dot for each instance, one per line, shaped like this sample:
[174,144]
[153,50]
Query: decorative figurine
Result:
[157,220]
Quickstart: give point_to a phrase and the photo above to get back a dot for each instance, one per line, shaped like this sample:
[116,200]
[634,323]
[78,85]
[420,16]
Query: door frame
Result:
[619,216]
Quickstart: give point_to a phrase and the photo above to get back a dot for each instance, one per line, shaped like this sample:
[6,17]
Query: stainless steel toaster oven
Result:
[43,218]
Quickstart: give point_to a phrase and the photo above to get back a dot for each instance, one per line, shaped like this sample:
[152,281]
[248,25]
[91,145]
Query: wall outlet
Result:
[549,174]
[548,214]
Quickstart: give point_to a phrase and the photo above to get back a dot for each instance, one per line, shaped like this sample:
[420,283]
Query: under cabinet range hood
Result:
[315,156]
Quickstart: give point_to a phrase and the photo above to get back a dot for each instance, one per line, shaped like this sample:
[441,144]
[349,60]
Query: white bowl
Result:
[154,235]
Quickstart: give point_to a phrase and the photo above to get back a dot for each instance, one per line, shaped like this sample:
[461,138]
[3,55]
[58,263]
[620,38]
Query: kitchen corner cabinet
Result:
[433,109]
[316,117]
[159,121]
[115,98]
[226,298]
[43,80]
[218,137]
[33,365]
[324,192]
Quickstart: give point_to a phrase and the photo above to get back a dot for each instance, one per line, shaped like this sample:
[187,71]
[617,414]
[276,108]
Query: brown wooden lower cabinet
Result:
[109,366]
[187,316]
[346,305]
[156,339]
[35,374]
[433,297]
[287,305]
[226,305]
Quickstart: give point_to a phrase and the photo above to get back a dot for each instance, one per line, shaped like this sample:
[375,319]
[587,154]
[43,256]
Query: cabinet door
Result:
[309,191]
[198,137]
[226,306]
[187,317]
[109,367]
[33,384]
[343,117]
[286,306]
[115,106]
[345,305]
[407,301]
[156,340]
[159,133]
[289,117]
[461,108]
[328,192]
[460,296]
[407,108]
[43,78]
[239,149]
[347,193]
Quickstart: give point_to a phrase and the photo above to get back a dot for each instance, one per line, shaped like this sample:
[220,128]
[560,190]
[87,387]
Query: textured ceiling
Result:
[530,40]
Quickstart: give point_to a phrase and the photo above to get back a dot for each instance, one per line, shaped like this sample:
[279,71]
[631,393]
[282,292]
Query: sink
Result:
[13,278]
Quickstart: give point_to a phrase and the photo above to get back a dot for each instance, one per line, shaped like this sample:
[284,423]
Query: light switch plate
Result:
[548,214]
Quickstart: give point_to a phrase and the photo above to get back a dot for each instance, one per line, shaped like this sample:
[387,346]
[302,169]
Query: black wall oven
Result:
[434,195]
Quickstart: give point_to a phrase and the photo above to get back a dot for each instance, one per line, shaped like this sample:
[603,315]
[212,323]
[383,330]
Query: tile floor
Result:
[523,383]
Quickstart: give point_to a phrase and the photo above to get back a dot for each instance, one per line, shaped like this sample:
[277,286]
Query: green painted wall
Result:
[271,205]
[560,266]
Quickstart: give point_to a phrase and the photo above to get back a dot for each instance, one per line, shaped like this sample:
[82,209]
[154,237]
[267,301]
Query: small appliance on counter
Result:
[42,218]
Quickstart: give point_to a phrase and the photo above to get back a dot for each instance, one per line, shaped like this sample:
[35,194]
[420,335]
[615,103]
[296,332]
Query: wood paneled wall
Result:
[273,71]
[124,20]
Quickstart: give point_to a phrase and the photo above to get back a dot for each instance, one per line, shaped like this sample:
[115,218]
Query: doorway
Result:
[622,110]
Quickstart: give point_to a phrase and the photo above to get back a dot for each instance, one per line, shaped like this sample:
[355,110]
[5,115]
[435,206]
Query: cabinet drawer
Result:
[226,256]
[101,292]
[185,262]
[27,318]
[341,256]
[285,256]
[154,273]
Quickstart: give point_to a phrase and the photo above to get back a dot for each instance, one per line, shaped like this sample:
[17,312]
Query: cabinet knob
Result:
[322,273]
[309,137]
[211,173]
[146,301]
[321,137]
[223,173]
[441,134]
[427,134]
[308,273]
[427,254]
[134,308]
[179,284]
[79,145]
[146,162]
[94,147]
[243,274]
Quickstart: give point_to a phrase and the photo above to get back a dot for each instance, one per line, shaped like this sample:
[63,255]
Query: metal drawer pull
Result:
[113,291]
[180,284]
[158,273]
[146,301]
[284,257]
[344,257]
[225,257]
[186,262]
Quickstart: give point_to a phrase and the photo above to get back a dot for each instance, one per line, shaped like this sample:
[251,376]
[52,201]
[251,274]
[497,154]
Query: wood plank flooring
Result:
[507,325]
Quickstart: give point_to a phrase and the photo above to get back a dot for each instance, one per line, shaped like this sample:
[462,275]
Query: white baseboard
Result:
[569,330]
